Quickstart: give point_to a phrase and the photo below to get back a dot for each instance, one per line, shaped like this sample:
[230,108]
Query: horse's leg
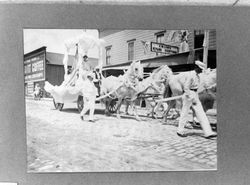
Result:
[107,103]
[149,107]
[154,108]
[126,109]
[165,114]
[178,105]
[119,103]
[132,104]
[152,104]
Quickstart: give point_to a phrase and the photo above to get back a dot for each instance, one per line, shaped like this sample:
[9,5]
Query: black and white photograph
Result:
[105,100]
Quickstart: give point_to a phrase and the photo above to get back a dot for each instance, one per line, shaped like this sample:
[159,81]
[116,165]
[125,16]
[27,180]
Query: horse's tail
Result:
[167,92]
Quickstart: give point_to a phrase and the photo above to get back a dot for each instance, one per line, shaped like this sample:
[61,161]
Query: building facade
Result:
[41,65]
[156,47]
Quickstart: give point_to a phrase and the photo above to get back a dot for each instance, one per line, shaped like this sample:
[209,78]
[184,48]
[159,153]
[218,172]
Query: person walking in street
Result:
[89,96]
[98,79]
[191,100]
[37,92]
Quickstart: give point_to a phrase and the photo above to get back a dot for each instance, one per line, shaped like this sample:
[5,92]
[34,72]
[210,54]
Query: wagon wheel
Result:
[80,103]
[112,106]
[58,106]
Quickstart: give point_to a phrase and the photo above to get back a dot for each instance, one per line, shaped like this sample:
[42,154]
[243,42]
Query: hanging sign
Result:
[163,48]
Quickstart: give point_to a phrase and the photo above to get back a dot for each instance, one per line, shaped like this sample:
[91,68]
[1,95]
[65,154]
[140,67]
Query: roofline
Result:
[43,48]
[69,55]
[58,53]
[56,64]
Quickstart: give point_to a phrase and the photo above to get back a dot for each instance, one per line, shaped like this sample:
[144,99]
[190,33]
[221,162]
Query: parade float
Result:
[71,88]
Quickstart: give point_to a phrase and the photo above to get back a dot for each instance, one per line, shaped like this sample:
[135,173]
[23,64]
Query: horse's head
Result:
[156,81]
[136,69]
[166,73]
[162,73]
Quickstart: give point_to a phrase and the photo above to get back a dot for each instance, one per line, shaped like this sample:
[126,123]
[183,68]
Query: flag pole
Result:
[205,47]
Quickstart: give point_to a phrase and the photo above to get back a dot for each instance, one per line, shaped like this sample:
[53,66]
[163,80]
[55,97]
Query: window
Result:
[108,55]
[131,48]
[27,68]
[198,38]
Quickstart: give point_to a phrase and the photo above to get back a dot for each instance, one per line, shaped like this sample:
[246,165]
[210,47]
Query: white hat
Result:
[200,64]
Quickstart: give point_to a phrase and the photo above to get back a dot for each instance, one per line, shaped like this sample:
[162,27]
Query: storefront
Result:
[34,69]
[155,48]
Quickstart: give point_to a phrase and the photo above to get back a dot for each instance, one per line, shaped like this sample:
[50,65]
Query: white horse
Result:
[124,87]
[154,87]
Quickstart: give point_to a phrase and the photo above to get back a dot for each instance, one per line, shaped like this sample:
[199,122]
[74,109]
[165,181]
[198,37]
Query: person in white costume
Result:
[84,68]
[191,99]
[84,42]
[89,96]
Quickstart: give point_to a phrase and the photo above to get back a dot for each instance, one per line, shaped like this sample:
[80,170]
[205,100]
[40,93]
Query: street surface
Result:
[62,142]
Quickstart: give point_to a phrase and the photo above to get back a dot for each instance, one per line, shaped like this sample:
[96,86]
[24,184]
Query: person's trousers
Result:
[98,86]
[195,103]
[89,104]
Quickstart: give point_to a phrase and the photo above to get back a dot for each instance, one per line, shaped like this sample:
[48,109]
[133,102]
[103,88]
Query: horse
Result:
[206,90]
[151,88]
[154,86]
[124,87]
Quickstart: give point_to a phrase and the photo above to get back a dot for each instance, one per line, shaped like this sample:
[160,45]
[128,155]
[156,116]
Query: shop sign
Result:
[34,76]
[37,66]
[163,48]
[34,68]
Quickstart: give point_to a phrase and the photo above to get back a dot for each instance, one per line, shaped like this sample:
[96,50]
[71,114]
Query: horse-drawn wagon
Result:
[131,86]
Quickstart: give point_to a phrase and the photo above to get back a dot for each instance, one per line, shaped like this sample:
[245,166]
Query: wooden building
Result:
[41,65]
[155,48]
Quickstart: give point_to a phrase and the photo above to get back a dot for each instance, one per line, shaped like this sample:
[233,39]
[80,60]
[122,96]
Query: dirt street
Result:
[61,142]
